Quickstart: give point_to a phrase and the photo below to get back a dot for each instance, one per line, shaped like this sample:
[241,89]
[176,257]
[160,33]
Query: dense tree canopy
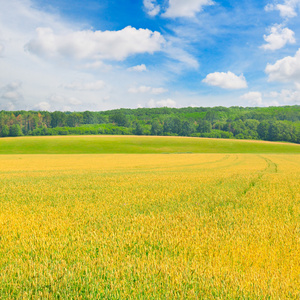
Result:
[270,123]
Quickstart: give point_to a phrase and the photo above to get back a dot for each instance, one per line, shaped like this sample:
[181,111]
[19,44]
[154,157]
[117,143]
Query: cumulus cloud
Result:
[12,91]
[278,38]
[151,7]
[138,68]
[87,86]
[97,45]
[45,77]
[226,80]
[10,95]
[286,69]
[161,103]
[64,100]
[7,106]
[287,10]
[186,8]
[74,101]
[45,106]
[147,89]
[254,98]
[287,96]
[290,96]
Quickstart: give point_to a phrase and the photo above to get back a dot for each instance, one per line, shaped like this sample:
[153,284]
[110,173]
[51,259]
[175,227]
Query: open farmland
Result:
[138,144]
[150,226]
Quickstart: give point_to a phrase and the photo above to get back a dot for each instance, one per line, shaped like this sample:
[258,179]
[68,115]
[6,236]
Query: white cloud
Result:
[161,103]
[64,100]
[43,106]
[12,91]
[186,8]
[88,86]
[1,49]
[57,98]
[138,68]
[272,103]
[94,65]
[13,86]
[141,89]
[157,91]
[74,101]
[7,106]
[254,98]
[287,10]
[147,89]
[151,7]
[12,96]
[286,69]
[226,80]
[174,51]
[278,38]
[45,77]
[98,45]
[288,96]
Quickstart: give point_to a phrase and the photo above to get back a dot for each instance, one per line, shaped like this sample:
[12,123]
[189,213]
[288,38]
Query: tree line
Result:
[270,123]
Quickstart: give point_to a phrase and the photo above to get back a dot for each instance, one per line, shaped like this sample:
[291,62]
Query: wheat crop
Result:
[150,226]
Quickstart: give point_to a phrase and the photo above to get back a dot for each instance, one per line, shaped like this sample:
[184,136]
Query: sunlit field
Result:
[150,226]
[105,144]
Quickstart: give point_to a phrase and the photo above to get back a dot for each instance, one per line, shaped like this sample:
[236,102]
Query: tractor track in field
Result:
[270,168]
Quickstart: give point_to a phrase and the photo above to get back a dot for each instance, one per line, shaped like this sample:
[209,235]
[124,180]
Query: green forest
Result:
[269,123]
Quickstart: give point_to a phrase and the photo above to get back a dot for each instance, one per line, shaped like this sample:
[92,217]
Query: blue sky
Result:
[99,55]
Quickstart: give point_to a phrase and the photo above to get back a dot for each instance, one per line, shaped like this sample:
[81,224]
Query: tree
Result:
[204,126]
[156,128]
[176,125]
[172,125]
[263,130]
[213,116]
[58,119]
[15,130]
[138,129]
[74,119]
[89,118]
[186,128]
[47,119]
[119,118]
[5,131]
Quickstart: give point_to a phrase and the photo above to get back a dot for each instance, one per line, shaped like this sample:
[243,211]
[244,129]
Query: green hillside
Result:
[137,144]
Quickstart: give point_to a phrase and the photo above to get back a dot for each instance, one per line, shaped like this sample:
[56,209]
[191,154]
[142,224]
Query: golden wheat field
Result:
[150,226]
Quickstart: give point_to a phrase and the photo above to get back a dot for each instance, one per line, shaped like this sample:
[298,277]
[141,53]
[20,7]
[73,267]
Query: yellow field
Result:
[126,226]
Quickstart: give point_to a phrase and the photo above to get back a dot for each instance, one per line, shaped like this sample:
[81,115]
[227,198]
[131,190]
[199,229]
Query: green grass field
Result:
[135,144]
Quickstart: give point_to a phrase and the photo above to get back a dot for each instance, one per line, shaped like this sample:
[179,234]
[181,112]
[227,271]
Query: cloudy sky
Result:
[105,54]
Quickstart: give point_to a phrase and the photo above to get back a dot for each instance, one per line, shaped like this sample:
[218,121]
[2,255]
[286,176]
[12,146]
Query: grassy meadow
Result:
[149,226]
[138,144]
